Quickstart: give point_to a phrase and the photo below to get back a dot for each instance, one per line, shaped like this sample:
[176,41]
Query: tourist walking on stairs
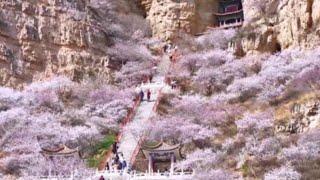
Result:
[115,148]
[141,94]
[149,94]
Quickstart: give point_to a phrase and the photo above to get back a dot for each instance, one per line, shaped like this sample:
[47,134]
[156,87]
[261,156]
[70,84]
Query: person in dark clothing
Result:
[141,94]
[174,84]
[101,178]
[114,148]
[124,164]
[116,158]
[150,78]
[171,58]
[165,48]
[120,166]
[148,94]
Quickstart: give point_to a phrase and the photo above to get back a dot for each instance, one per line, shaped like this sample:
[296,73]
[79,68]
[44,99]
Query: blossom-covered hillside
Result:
[236,101]
[228,111]
[54,113]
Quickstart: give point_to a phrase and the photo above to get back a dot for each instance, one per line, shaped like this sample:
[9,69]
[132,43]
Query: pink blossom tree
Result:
[206,159]
[285,172]
[216,39]
[215,174]
[134,73]
[257,125]
[180,130]
[264,150]
[206,164]
[125,52]
[29,127]
[9,96]
[307,79]
[307,149]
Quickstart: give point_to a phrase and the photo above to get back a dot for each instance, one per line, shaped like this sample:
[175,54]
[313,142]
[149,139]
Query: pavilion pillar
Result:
[150,164]
[110,165]
[172,164]
[50,169]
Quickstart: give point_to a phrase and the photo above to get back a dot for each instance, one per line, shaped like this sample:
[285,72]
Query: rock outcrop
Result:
[270,25]
[169,17]
[280,25]
[41,38]
[301,116]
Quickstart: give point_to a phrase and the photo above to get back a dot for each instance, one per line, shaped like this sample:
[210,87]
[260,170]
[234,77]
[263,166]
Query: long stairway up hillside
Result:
[130,139]
[128,142]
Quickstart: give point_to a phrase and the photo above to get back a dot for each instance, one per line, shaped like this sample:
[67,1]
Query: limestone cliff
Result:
[169,17]
[300,115]
[270,25]
[40,38]
[281,24]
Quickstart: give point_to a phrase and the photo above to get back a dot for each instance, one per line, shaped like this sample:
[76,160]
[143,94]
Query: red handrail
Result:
[126,120]
[141,140]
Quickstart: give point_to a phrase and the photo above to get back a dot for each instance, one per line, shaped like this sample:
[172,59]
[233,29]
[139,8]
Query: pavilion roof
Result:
[162,151]
[61,151]
[161,147]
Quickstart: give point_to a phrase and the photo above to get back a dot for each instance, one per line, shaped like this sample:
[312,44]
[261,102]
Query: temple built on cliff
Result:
[228,14]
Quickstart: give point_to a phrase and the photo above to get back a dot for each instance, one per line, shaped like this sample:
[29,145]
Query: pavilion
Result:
[62,157]
[61,151]
[160,155]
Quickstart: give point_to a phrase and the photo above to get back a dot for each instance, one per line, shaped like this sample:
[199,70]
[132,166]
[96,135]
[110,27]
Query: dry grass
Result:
[2,154]
[283,111]
[165,104]
[309,169]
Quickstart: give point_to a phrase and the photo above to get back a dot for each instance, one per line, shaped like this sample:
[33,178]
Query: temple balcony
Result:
[228,13]
[222,25]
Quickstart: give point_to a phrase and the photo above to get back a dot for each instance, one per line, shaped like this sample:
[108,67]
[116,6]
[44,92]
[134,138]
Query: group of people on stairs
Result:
[118,162]
[141,95]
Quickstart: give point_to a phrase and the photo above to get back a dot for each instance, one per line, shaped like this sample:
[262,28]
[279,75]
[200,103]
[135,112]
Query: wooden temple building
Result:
[228,14]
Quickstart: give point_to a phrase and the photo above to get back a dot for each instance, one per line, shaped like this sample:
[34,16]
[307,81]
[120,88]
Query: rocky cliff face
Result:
[169,17]
[271,25]
[279,25]
[301,116]
[39,38]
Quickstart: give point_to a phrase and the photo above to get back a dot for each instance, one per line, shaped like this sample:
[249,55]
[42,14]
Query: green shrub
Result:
[99,150]
[245,169]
